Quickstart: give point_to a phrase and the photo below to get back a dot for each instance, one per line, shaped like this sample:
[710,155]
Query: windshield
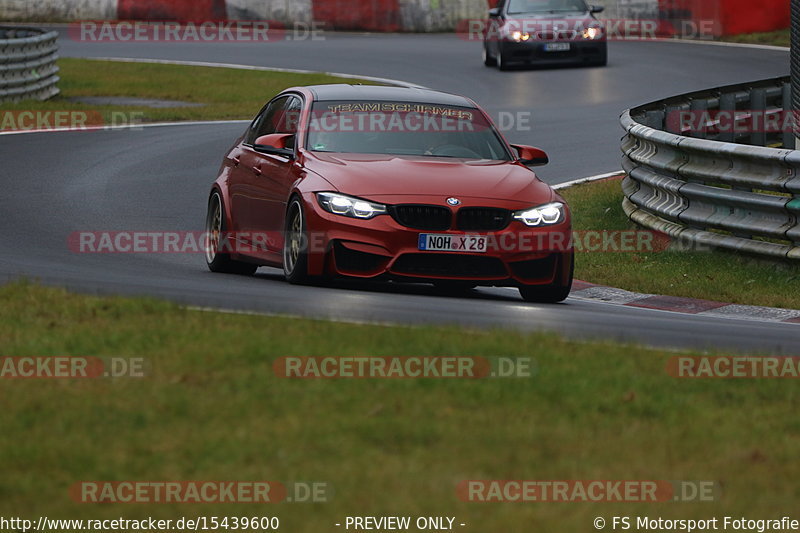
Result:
[403,128]
[545,6]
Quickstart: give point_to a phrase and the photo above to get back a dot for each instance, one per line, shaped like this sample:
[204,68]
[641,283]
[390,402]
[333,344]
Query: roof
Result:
[339,92]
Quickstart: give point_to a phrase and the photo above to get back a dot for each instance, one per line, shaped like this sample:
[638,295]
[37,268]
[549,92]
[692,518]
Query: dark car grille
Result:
[549,35]
[450,265]
[483,219]
[426,217]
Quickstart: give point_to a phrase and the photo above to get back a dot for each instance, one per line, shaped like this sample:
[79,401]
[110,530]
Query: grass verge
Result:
[211,408]
[773,38]
[712,275]
[226,94]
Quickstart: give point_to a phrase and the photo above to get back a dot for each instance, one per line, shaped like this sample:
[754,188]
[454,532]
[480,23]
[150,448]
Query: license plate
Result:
[556,47]
[431,242]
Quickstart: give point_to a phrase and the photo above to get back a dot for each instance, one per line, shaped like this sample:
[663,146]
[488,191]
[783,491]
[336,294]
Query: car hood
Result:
[547,20]
[378,177]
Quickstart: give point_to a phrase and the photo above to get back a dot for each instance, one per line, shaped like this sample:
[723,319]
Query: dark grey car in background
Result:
[544,32]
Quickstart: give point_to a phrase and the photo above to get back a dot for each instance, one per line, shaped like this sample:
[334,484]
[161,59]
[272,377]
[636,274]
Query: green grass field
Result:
[712,275]
[211,408]
[225,93]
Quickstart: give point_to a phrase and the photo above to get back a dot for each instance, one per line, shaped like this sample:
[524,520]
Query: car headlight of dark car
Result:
[543,215]
[349,206]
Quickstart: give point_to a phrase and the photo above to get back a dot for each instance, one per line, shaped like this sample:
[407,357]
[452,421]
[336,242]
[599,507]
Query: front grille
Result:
[549,35]
[450,265]
[483,219]
[425,217]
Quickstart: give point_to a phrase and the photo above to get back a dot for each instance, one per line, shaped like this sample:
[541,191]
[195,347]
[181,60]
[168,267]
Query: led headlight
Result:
[592,33]
[543,215]
[520,36]
[340,204]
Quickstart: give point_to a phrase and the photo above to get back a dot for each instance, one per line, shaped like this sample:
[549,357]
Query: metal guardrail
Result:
[28,64]
[723,189]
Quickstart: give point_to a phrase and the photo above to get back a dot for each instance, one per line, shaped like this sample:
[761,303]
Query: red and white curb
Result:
[677,304]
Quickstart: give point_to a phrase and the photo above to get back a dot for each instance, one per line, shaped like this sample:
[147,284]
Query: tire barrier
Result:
[719,182]
[28,64]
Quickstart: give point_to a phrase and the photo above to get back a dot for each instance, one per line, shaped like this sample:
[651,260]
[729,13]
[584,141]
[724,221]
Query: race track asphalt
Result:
[157,179]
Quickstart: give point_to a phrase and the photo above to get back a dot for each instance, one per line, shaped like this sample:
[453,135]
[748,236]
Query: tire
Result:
[216,228]
[295,252]
[488,60]
[549,294]
[502,64]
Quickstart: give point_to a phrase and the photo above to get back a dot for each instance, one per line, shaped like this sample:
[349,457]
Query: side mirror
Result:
[275,143]
[596,9]
[494,12]
[530,156]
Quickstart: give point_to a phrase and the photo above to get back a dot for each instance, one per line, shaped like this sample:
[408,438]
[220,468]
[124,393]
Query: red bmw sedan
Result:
[374,182]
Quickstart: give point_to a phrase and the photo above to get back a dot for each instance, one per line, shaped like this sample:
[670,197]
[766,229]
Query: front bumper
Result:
[535,52]
[383,248]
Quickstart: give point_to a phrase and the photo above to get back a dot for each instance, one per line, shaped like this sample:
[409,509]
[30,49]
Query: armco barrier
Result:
[742,197]
[28,64]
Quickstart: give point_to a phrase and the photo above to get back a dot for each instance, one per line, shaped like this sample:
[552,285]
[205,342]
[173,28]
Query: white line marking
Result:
[725,43]
[588,180]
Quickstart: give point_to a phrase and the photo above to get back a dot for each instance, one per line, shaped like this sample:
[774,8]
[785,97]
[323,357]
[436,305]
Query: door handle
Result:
[257,170]
[236,160]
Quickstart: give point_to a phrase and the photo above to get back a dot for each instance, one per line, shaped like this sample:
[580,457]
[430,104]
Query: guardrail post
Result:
[788,117]
[655,118]
[699,106]
[673,126]
[758,104]
[727,104]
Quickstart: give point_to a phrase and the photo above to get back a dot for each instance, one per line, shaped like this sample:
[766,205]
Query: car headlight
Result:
[520,36]
[340,204]
[543,215]
[592,33]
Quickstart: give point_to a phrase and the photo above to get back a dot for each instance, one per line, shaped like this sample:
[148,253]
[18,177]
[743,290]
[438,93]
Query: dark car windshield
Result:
[403,128]
[516,7]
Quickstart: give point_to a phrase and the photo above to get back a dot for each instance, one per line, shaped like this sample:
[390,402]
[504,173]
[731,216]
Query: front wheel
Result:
[502,64]
[488,60]
[295,245]
[552,293]
[217,242]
